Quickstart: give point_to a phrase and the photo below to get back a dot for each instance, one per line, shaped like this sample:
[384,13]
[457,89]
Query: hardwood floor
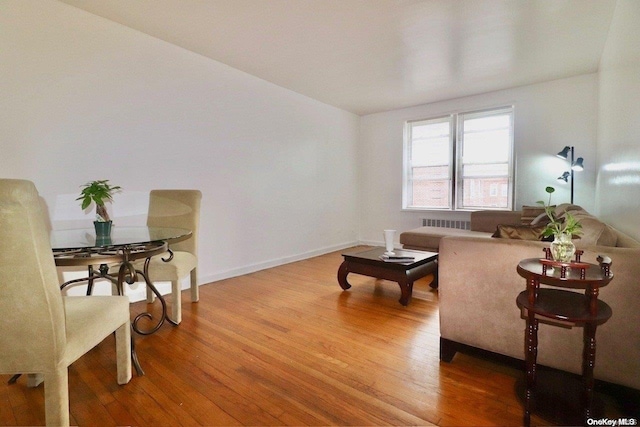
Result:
[286,346]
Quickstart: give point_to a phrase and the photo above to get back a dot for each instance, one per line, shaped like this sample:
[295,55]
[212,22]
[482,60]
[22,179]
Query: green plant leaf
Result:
[98,192]
[568,224]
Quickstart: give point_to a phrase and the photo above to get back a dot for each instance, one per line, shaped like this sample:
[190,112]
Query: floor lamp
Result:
[576,165]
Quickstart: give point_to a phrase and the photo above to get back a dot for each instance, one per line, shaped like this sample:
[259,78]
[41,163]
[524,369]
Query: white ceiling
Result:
[368,56]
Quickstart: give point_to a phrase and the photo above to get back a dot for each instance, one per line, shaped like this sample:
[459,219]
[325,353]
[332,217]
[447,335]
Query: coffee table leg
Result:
[406,289]
[342,275]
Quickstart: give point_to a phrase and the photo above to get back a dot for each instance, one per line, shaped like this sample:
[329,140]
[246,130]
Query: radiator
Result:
[446,223]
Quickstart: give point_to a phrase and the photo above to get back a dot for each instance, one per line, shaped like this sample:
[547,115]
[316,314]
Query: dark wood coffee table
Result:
[368,263]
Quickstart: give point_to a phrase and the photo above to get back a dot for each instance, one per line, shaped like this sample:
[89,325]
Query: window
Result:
[429,172]
[467,169]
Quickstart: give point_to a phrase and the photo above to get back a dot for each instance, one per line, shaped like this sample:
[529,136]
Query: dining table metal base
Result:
[128,274]
[119,250]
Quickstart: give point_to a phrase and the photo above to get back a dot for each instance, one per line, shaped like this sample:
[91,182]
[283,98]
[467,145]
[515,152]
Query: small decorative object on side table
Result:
[579,310]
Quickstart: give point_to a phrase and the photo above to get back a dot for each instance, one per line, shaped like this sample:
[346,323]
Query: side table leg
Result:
[588,363]
[342,275]
[531,346]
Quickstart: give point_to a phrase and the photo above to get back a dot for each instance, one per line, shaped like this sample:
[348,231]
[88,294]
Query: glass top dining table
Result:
[120,236]
[81,247]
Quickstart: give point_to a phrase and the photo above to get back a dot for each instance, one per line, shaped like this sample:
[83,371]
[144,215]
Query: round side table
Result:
[580,310]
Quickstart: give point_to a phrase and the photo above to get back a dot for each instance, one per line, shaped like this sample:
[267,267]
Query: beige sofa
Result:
[478,285]
[483,224]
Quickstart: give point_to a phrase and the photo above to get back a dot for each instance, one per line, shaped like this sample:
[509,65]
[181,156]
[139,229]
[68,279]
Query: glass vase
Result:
[562,248]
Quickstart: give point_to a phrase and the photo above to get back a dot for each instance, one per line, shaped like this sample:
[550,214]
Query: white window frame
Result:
[455,165]
[459,188]
[407,164]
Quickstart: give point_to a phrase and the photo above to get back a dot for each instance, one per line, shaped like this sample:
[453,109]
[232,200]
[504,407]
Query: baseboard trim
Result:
[374,243]
[252,268]
[137,291]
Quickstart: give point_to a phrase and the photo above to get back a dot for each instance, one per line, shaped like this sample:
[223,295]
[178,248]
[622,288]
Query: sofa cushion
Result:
[519,232]
[594,231]
[487,220]
[542,219]
[624,241]
[428,238]
[530,213]
[562,208]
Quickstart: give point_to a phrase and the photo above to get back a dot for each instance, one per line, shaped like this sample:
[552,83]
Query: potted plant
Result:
[99,192]
[562,230]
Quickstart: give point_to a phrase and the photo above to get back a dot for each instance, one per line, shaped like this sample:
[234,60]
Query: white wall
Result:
[84,98]
[548,116]
[619,122]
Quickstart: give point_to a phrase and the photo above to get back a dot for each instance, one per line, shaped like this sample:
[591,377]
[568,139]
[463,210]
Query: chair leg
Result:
[151,297]
[56,398]
[123,353]
[195,292]
[34,380]
[176,301]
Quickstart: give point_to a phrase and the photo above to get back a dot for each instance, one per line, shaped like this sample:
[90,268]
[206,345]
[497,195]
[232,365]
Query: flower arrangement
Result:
[570,225]
[562,230]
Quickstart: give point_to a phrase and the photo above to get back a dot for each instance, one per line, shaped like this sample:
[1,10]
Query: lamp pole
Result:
[571,167]
[574,165]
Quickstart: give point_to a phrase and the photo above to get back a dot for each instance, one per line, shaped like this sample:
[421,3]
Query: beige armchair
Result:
[180,209]
[42,331]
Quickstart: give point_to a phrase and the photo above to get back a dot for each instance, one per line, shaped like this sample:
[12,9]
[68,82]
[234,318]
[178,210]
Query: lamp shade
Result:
[577,165]
[564,154]
[564,178]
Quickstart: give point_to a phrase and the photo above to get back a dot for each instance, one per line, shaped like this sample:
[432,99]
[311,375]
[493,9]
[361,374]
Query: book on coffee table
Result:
[400,259]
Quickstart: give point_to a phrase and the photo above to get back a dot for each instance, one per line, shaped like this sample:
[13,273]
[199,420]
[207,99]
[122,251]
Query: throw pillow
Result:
[542,219]
[562,208]
[529,213]
[519,232]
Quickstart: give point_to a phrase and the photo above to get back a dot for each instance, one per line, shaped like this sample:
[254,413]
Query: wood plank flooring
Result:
[286,346]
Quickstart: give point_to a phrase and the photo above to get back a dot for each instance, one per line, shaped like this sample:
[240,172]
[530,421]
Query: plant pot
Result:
[562,248]
[103,228]
[103,240]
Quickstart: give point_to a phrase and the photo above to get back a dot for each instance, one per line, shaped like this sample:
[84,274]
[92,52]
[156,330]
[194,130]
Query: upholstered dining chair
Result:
[179,209]
[44,332]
